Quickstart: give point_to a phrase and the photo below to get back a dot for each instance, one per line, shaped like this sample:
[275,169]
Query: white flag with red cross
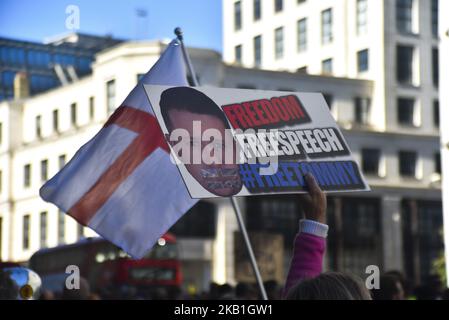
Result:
[122,183]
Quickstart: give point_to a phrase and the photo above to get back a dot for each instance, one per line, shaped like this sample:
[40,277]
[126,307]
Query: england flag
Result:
[122,183]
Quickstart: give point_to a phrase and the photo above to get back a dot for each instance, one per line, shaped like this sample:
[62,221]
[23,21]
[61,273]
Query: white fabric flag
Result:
[122,183]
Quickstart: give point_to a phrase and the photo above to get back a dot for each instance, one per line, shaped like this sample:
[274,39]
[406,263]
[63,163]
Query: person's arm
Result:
[310,242]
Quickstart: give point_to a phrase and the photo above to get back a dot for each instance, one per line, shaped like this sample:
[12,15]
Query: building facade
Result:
[395,45]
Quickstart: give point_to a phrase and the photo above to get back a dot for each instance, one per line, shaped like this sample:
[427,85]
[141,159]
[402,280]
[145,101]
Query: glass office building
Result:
[48,64]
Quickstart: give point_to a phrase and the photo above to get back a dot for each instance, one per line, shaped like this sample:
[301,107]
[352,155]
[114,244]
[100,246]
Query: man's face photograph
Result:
[218,178]
[215,175]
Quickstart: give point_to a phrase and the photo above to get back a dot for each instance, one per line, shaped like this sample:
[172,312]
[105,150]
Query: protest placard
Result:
[236,142]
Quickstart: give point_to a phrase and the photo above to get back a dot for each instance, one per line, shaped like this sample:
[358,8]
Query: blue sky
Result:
[34,20]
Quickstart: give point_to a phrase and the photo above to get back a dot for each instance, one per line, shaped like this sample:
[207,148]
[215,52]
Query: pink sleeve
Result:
[307,261]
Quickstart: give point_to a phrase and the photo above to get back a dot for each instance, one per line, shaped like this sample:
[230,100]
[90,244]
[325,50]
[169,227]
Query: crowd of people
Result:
[305,279]
[332,285]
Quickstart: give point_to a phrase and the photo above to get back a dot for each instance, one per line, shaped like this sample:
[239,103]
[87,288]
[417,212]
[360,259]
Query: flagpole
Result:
[180,37]
[235,205]
[242,226]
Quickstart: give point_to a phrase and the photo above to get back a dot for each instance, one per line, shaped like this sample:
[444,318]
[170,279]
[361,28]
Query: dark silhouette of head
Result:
[273,290]
[226,292]
[390,288]
[83,293]
[330,286]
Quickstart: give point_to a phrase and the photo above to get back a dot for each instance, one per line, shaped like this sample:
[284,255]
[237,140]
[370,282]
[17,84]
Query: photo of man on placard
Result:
[185,107]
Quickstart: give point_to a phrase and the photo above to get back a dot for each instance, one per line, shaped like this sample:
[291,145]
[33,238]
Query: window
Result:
[406,111]
[61,161]
[362,17]
[359,234]
[363,60]
[26,232]
[8,79]
[404,60]
[276,215]
[238,54]
[326,26]
[38,126]
[12,56]
[187,226]
[437,157]
[258,51]
[27,175]
[407,163]
[43,229]
[257,10]
[362,110]
[91,108]
[38,59]
[61,227]
[327,66]
[422,244]
[435,67]
[110,95]
[404,15]
[435,21]
[302,34]
[73,114]
[279,43]
[44,170]
[84,64]
[39,83]
[237,15]
[56,120]
[278,5]
[64,59]
[436,113]
[370,161]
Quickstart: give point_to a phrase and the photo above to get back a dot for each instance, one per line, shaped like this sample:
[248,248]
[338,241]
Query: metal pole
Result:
[235,205]
[180,37]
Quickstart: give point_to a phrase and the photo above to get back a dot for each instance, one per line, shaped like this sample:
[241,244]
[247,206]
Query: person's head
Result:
[245,291]
[242,290]
[431,289]
[273,290]
[390,288]
[214,290]
[47,295]
[405,283]
[180,107]
[83,293]
[19,283]
[330,286]
[445,295]
[226,291]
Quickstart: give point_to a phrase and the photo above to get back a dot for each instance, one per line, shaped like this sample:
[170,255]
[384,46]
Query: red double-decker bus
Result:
[109,270]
